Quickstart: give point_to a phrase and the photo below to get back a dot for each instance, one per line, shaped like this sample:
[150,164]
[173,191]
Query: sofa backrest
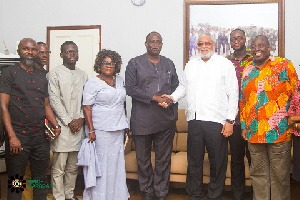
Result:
[181,142]
[180,139]
[181,124]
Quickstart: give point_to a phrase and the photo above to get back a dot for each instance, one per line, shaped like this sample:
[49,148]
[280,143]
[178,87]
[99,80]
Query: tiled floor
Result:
[176,193]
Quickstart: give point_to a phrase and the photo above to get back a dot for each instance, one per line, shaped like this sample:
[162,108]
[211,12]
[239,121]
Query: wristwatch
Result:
[56,127]
[230,121]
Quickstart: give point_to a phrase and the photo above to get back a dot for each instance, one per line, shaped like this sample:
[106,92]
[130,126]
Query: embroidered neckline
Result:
[104,79]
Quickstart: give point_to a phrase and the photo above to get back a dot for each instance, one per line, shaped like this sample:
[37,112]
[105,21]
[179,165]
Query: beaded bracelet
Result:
[91,132]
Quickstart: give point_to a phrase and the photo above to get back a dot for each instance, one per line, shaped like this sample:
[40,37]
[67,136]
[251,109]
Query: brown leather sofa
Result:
[179,157]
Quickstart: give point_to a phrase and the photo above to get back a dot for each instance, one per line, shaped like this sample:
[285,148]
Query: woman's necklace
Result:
[104,79]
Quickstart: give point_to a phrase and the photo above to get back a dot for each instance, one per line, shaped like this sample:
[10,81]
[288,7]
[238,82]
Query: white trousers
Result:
[64,174]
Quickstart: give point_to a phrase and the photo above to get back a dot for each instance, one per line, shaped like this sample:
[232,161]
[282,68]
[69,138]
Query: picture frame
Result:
[220,17]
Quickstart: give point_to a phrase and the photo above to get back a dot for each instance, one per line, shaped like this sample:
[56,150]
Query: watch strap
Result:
[230,121]
[56,127]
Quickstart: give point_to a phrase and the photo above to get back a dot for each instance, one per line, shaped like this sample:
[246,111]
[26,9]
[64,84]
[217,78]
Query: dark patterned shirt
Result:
[239,67]
[144,79]
[27,90]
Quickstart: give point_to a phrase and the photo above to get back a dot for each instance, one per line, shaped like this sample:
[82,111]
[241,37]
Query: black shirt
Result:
[27,90]
[144,79]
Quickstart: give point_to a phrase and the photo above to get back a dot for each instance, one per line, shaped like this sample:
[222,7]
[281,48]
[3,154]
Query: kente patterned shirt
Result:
[295,106]
[239,67]
[265,100]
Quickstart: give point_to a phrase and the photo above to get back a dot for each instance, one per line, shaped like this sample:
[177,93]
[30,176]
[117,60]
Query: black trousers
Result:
[36,149]
[296,158]
[203,134]
[155,182]
[238,150]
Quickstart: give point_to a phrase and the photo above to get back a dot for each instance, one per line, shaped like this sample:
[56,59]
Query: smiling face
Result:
[260,50]
[153,44]
[27,51]
[69,55]
[206,47]
[237,40]
[108,67]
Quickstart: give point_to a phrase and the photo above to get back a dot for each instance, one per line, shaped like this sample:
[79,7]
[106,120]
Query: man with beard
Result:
[147,77]
[66,83]
[211,87]
[238,147]
[25,105]
[267,86]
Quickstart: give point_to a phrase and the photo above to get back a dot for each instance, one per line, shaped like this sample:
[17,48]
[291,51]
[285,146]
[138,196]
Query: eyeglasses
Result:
[71,51]
[158,42]
[236,39]
[44,52]
[206,43]
[112,64]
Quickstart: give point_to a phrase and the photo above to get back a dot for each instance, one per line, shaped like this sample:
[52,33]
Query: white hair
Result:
[208,34]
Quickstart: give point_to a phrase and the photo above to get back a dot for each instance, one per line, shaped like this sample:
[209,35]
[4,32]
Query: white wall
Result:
[124,26]
[292,32]
[1,26]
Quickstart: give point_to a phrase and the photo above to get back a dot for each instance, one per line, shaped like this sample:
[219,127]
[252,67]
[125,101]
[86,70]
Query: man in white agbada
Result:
[65,93]
[210,85]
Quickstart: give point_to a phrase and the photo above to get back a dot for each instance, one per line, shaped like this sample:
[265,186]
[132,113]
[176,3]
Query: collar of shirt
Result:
[271,58]
[246,57]
[212,58]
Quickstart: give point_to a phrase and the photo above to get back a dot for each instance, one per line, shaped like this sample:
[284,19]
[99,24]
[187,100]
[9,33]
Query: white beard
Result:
[206,56]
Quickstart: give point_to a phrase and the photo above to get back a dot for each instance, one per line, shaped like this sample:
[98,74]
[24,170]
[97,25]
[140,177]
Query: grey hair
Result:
[208,34]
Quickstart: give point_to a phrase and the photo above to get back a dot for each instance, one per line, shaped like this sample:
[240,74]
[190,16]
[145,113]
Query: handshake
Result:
[163,100]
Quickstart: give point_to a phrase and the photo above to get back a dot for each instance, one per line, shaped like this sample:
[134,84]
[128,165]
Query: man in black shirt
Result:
[147,77]
[25,105]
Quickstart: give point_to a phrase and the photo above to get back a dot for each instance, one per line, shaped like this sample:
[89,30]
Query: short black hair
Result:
[238,29]
[151,33]
[66,43]
[40,43]
[113,55]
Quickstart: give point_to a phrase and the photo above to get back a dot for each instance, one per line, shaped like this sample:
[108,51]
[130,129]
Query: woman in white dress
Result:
[103,105]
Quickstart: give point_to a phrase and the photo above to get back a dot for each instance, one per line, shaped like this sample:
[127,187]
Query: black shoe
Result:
[73,198]
[147,196]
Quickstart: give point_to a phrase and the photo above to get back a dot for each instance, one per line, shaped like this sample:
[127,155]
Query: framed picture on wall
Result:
[220,17]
